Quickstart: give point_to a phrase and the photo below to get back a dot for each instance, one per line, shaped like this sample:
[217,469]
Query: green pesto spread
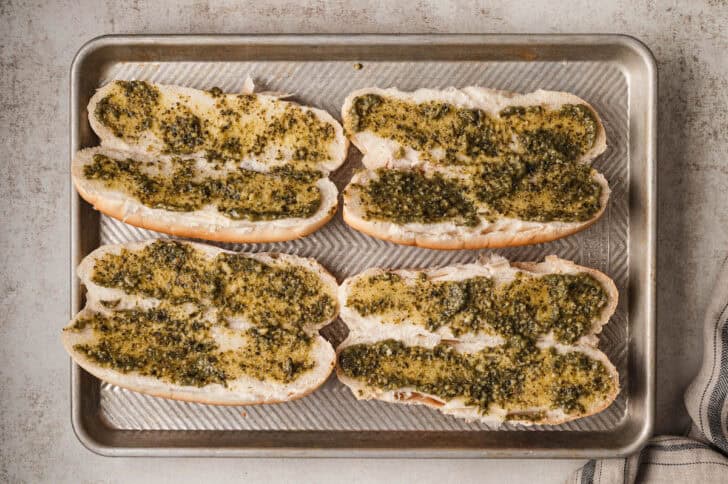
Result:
[522,163]
[129,110]
[547,189]
[235,126]
[408,196]
[451,135]
[282,303]
[508,377]
[239,194]
[551,191]
[566,305]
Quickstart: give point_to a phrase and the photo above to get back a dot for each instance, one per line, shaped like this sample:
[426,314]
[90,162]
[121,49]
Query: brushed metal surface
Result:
[615,74]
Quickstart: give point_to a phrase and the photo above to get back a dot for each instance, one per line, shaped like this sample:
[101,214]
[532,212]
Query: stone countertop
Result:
[39,40]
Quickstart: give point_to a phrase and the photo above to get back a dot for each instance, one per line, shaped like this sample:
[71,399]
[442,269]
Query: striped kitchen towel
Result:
[702,456]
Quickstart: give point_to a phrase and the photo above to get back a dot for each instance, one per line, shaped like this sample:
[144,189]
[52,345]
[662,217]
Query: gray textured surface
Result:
[38,43]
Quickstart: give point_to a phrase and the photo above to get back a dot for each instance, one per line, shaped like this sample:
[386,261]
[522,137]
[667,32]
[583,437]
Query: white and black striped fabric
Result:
[702,456]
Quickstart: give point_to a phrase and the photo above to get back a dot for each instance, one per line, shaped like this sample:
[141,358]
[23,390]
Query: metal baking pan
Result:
[616,74]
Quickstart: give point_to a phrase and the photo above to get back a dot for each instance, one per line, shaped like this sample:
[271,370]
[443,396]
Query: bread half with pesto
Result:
[475,302]
[535,405]
[473,167]
[259,130]
[391,149]
[245,168]
[490,341]
[462,222]
[186,197]
[193,322]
